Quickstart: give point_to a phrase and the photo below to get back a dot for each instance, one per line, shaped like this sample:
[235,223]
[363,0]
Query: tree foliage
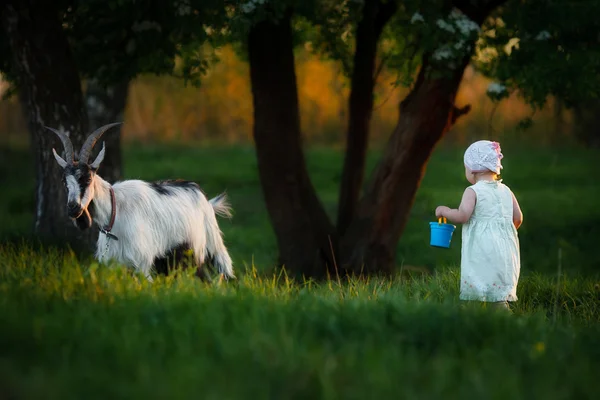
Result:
[117,40]
[539,48]
[544,48]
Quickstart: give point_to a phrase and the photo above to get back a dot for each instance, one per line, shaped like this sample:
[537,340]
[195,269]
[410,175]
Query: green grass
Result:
[70,328]
[77,330]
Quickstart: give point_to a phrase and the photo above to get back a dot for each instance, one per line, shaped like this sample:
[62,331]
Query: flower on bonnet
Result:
[496,146]
[484,156]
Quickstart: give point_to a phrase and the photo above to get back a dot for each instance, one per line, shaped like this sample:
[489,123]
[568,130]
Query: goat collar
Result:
[113,212]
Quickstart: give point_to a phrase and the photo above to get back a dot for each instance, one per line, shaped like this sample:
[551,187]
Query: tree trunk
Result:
[106,105]
[375,16]
[50,92]
[302,227]
[426,114]
[308,244]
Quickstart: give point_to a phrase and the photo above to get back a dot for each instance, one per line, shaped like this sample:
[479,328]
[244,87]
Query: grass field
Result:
[72,329]
[80,331]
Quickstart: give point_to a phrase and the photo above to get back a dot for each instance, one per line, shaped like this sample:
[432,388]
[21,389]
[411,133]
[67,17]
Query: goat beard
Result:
[84,221]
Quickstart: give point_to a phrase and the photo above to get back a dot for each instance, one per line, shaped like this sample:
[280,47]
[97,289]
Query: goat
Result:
[142,223]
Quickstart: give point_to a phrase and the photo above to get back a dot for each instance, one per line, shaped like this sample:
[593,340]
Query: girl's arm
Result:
[517,213]
[464,211]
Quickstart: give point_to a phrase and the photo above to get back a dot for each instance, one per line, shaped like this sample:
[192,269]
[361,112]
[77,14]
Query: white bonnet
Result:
[484,156]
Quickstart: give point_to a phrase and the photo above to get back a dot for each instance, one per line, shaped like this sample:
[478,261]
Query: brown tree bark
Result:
[427,114]
[301,225]
[106,105]
[375,16]
[50,92]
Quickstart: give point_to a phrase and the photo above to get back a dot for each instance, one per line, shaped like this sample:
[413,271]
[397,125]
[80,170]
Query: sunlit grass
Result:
[74,329]
[71,328]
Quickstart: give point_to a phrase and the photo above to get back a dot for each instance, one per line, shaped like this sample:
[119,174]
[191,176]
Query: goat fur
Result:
[149,224]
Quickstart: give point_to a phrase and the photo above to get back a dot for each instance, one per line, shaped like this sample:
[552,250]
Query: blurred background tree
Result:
[42,65]
[547,49]
[52,51]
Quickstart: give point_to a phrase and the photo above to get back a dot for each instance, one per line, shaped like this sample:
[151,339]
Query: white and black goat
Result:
[142,223]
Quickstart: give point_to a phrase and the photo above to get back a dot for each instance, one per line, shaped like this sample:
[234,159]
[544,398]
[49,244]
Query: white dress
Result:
[490,260]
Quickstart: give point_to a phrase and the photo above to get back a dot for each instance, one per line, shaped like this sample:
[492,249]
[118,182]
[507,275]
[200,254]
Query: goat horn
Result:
[66,144]
[87,147]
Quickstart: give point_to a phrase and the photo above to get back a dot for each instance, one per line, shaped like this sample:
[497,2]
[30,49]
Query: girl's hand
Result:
[441,211]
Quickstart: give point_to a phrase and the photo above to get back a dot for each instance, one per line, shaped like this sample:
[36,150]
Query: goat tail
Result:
[221,205]
[214,237]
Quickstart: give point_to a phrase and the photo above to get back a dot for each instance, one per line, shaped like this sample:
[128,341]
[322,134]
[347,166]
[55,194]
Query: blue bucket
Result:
[441,233]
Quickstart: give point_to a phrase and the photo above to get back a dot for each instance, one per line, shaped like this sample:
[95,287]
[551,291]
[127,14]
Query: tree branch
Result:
[364,74]
[459,112]
[385,11]
[418,82]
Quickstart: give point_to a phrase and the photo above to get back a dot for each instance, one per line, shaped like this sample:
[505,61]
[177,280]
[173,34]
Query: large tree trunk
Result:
[375,16]
[106,105]
[426,114]
[302,228]
[50,92]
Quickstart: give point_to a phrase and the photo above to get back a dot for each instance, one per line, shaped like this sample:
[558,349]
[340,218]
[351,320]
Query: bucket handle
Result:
[442,218]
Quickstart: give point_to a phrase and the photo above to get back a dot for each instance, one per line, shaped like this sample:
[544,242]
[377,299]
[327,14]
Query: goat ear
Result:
[99,158]
[59,159]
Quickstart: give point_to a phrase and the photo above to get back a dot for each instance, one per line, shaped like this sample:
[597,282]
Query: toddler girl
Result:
[490,214]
